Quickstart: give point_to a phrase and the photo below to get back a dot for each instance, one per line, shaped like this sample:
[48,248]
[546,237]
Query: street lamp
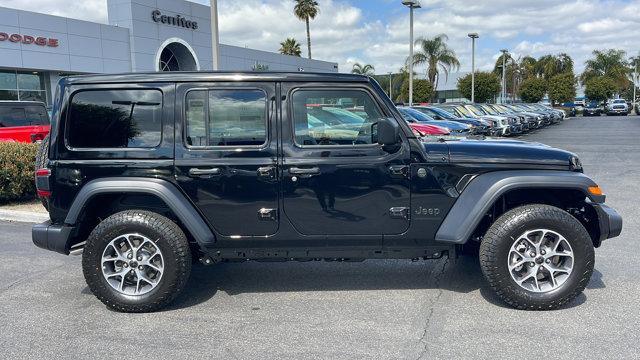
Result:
[215,38]
[390,80]
[412,4]
[473,37]
[504,80]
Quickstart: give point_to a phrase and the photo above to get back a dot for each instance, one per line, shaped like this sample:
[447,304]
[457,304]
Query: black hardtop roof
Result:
[196,76]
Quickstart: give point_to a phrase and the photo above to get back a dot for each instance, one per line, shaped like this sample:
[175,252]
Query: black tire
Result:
[495,247]
[42,157]
[165,234]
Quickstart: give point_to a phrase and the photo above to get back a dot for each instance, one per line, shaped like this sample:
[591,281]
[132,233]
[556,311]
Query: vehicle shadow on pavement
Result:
[460,275]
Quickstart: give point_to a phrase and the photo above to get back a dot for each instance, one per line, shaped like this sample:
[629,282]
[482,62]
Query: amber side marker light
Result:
[595,190]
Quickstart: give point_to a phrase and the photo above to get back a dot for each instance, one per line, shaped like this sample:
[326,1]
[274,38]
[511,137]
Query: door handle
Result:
[266,171]
[204,172]
[304,171]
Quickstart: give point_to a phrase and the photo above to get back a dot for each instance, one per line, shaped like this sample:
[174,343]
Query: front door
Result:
[337,181]
[226,159]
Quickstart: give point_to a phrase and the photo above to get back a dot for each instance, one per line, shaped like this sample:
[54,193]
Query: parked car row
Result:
[611,107]
[480,119]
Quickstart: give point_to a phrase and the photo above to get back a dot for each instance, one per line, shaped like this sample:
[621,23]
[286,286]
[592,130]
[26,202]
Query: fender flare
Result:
[482,192]
[164,190]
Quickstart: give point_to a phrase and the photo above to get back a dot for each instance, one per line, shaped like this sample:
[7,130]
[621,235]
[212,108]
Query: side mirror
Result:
[388,131]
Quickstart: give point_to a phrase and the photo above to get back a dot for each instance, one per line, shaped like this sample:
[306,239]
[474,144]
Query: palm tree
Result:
[437,56]
[611,64]
[306,10]
[291,47]
[366,69]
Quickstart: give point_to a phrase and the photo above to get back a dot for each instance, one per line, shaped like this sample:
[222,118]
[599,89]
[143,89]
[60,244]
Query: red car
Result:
[23,121]
[426,129]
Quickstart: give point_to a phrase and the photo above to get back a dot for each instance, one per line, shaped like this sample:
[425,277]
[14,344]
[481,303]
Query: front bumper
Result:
[50,237]
[609,220]
[617,111]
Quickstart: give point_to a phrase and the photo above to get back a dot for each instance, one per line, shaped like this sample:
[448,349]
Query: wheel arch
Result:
[484,192]
[164,193]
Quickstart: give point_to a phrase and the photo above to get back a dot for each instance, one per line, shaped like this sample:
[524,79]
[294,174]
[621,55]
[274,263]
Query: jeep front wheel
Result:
[136,261]
[537,257]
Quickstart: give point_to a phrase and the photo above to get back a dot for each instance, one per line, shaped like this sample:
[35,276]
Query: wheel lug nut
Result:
[532,254]
[140,267]
[130,256]
[125,265]
[532,264]
[139,258]
[132,272]
[542,252]
[548,261]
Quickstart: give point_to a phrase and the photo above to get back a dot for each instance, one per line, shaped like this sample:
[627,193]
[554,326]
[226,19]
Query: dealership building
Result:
[36,49]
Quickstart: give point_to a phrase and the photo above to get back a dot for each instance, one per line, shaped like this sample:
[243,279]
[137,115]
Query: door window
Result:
[334,117]
[226,117]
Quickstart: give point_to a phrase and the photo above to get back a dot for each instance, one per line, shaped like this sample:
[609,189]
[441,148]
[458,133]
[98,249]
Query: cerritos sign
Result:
[177,20]
[28,39]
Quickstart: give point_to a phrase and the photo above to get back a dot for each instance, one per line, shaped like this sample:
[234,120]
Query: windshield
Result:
[488,109]
[619,101]
[443,113]
[464,111]
[476,110]
[415,114]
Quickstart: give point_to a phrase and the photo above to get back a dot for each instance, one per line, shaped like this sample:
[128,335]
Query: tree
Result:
[533,89]
[562,88]
[306,10]
[290,47]
[422,91]
[437,56]
[599,88]
[611,64]
[360,69]
[487,86]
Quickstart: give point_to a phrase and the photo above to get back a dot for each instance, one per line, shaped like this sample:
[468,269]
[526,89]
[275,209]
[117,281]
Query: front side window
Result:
[226,117]
[115,118]
[334,117]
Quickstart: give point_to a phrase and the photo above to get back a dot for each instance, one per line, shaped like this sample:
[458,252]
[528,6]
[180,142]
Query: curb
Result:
[23,216]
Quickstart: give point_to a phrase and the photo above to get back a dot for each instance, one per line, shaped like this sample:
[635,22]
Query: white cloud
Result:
[343,32]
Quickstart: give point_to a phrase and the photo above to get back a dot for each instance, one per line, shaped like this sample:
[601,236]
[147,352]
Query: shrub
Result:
[17,166]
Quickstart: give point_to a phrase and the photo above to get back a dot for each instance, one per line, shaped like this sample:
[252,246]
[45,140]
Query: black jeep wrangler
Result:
[146,173]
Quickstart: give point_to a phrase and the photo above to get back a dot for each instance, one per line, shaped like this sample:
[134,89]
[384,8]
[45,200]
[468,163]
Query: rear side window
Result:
[115,118]
[31,115]
[226,117]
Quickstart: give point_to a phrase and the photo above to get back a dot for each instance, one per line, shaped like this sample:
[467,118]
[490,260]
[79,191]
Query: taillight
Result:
[43,188]
[37,137]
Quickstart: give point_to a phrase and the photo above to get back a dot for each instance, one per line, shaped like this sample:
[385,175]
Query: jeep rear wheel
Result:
[537,257]
[136,261]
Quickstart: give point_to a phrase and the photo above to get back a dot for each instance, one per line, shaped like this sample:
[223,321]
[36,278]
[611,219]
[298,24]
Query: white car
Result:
[617,107]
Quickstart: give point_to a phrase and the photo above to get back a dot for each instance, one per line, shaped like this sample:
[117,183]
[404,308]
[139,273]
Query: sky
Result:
[376,32]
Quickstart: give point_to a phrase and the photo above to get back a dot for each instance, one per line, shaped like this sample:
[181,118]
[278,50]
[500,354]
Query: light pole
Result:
[215,38]
[473,37]
[412,4]
[504,79]
[390,79]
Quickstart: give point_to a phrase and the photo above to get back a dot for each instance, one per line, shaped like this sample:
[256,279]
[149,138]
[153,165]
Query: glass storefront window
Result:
[8,80]
[23,86]
[30,81]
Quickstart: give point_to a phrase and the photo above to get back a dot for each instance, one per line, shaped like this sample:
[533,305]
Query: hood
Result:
[493,151]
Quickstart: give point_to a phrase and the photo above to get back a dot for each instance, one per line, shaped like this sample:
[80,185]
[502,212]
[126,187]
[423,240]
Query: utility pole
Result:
[473,37]
[412,4]
[390,89]
[215,37]
[504,72]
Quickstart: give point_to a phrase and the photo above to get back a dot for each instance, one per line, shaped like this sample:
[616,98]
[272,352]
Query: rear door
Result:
[226,155]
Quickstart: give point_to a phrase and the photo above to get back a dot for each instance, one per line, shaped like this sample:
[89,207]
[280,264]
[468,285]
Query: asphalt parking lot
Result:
[370,310]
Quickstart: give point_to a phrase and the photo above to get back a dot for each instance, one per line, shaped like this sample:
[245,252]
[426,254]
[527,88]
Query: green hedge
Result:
[17,167]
